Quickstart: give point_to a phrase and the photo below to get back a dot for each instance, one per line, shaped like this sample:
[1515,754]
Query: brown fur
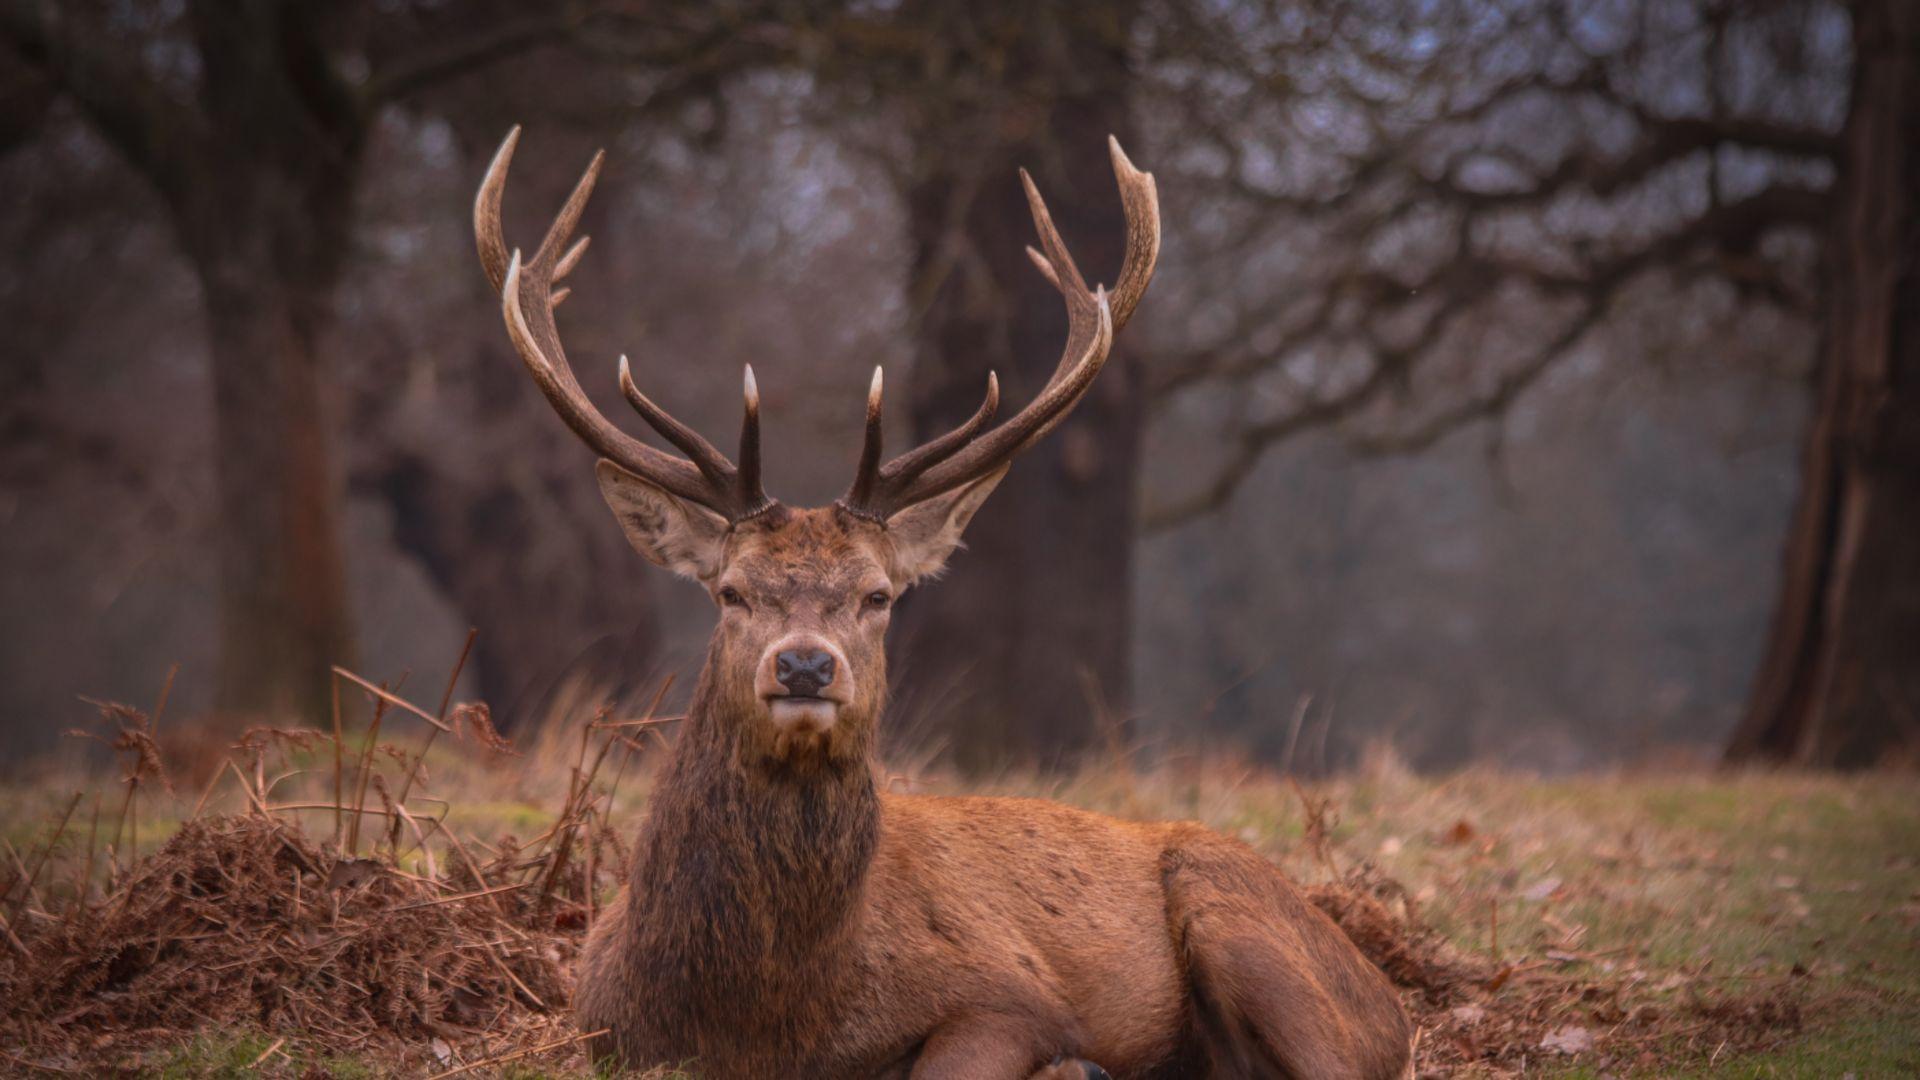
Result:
[785,918]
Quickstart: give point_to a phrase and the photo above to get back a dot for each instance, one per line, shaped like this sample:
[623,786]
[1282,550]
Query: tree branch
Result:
[330,99]
[1735,226]
[436,61]
[135,113]
[1665,143]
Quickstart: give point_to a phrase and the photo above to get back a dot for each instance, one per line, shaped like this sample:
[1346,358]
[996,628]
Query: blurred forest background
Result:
[1526,380]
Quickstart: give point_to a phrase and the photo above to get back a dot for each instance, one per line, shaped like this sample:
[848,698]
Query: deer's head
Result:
[804,595]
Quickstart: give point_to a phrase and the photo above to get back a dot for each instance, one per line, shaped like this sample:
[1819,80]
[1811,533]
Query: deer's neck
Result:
[748,879]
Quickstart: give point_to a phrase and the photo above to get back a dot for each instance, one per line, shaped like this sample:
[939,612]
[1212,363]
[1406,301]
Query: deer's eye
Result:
[730,597]
[878,600]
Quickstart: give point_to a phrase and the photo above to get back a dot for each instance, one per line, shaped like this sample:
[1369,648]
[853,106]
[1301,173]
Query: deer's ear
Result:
[924,534]
[670,531]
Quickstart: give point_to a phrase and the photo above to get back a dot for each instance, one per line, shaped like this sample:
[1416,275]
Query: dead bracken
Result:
[244,921]
[1380,917]
[1496,1018]
[419,959]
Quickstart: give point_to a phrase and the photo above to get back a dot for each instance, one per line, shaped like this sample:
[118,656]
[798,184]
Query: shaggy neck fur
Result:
[747,887]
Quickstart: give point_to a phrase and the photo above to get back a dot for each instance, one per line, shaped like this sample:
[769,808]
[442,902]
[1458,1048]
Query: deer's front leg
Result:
[999,1048]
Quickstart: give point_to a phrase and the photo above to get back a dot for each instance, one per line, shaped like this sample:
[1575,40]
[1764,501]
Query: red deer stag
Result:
[786,917]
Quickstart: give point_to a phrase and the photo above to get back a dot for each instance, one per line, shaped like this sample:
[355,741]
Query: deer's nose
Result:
[804,672]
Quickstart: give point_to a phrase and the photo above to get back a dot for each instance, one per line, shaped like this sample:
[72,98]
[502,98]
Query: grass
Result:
[239,1055]
[1679,887]
[1681,882]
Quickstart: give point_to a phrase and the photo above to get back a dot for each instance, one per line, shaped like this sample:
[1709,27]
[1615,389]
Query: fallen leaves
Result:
[1467,1015]
[1541,890]
[1570,1039]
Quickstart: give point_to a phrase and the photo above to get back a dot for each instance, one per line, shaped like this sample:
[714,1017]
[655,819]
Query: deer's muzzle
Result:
[804,680]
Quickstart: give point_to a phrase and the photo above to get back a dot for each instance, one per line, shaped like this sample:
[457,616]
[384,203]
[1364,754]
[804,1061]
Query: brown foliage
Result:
[1412,954]
[1473,1012]
[246,921]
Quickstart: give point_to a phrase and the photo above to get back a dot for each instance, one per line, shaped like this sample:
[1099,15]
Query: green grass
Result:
[232,1055]
[250,1055]
[1684,883]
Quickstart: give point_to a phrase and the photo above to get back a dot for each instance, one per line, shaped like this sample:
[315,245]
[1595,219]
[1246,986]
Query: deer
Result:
[784,913]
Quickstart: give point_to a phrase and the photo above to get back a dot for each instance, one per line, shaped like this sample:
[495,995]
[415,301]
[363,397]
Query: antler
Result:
[528,297]
[1093,317]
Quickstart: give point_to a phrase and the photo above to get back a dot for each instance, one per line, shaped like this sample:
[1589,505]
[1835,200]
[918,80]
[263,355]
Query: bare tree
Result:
[1451,203]
[1839,683]
[1045,601]
[250,121]
[1473,198]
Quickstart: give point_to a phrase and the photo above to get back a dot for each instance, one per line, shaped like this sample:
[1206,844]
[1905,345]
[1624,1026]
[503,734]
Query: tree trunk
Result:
[559,600]
[1022,653]
[283,597]
[263,209]
[254,140]
[1840,681]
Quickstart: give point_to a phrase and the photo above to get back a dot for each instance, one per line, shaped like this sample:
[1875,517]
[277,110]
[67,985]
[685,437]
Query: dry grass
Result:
[392,937]
[1650,923]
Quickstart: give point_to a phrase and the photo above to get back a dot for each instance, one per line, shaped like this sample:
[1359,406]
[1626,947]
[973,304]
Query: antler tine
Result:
[539,349]
[1050,242]
[556,248]
[1007,441]
[866,475]
[1057,266]
[528,297]
[710,461]
[565,266]
[1140,198]
[572,258]
[872,480]
[753,496]
[907,466]
[1093,317]
[1041,264]
[486,212]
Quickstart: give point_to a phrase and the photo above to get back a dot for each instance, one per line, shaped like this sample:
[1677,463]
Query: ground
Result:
[1666,923]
